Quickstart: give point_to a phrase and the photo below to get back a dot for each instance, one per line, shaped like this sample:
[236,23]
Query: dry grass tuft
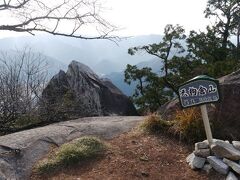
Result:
[188,125]
[154,124]
[72,153]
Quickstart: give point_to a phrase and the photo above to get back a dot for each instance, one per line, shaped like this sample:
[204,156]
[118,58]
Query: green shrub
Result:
[47,166]
[154,124]
[73,153]
[26,120]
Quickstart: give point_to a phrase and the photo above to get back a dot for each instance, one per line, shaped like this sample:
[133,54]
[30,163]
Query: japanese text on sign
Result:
[198,92]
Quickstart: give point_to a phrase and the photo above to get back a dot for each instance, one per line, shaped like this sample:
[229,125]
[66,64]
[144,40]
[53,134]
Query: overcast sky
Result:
[143,17]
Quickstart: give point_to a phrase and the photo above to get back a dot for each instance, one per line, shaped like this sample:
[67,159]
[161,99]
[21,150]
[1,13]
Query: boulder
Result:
[231,176]
[227,111]
[218,165]
[195,162]
[169,109]
[225,150]
[79,92]
[235,166]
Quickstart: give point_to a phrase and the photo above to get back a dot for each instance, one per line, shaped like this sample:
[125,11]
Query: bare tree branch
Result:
[71,18]
[5,5]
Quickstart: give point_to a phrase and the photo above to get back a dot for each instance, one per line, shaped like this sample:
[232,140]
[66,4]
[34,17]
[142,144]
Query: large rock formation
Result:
[227,111]
[225,115]
[79,92]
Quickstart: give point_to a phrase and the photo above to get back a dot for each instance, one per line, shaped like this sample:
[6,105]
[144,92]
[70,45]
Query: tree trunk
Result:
[170,85]
[225,36]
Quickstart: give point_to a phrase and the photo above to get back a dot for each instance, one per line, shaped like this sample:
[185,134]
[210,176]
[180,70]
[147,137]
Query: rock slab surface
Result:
[20,151]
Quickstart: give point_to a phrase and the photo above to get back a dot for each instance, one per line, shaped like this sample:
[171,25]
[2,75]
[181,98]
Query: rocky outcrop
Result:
[169,109]
[227,111]
[79,92]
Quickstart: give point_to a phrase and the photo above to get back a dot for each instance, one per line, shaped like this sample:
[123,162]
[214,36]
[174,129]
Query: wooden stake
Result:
[206,123]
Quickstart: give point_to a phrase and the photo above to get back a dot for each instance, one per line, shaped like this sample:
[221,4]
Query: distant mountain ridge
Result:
[94,53]
[118,77]
[52,65]
[105,57]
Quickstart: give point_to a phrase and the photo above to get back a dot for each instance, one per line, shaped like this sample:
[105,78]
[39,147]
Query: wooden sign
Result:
[200,91]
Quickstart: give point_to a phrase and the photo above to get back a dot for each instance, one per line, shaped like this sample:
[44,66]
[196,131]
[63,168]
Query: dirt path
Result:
[137,156]
[20,151]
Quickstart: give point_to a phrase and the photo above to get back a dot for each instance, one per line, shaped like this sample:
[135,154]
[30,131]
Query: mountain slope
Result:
[118,77]
[52,65]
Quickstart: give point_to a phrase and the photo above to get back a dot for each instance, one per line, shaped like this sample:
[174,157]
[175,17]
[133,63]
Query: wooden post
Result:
[206,123]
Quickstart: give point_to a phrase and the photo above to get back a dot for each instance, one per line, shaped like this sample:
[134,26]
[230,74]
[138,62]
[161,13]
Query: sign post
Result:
[206,123]
[200,91]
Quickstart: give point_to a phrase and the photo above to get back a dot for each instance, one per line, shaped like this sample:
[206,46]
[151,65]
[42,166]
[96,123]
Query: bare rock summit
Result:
[79,92]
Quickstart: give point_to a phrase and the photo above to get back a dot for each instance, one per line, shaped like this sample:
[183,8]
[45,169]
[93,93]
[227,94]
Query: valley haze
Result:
[105,57]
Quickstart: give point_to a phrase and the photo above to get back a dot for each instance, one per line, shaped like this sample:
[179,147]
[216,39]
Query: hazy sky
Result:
[142,17]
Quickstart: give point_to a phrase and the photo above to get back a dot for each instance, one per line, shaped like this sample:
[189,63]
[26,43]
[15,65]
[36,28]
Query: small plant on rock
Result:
[72,153]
